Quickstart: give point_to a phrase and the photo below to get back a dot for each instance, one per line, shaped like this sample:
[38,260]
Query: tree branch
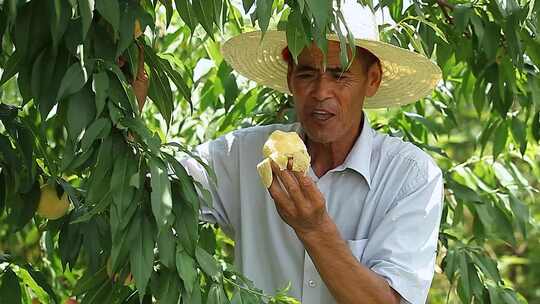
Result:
[445,6]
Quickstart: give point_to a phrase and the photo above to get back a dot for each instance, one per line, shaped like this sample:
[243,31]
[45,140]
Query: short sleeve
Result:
[402,247]
[220,154]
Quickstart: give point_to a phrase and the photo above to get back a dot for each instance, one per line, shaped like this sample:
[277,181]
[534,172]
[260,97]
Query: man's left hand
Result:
[299,202]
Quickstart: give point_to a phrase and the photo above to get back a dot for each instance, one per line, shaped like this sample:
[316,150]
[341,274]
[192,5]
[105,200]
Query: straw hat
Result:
[407,76]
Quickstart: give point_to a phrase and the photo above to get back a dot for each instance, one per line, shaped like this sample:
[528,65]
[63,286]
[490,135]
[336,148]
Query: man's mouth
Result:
[321,115]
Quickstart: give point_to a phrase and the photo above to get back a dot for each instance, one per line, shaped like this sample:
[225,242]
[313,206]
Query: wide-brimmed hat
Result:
[407,76]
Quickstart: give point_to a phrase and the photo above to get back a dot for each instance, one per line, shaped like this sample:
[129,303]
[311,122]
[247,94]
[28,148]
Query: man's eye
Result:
[305,75]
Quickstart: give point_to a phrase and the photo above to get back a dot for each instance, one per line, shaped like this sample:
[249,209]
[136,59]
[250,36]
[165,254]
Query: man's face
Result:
[329,104]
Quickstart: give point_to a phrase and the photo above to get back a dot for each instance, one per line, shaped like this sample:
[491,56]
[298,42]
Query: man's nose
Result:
[322,89]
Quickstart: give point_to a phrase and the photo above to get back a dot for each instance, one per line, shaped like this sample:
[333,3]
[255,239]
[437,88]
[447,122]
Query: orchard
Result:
[95,206]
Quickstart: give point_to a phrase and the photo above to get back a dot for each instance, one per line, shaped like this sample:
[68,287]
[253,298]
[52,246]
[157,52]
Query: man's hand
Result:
[299,202]
[301,205]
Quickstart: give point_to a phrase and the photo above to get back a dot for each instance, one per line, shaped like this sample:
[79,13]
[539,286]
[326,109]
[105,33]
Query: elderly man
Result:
[362,225]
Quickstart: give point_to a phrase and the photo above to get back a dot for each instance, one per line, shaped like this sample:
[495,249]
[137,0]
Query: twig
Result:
[445,6]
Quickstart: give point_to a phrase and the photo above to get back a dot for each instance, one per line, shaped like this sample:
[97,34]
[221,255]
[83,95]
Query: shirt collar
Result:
[359,157]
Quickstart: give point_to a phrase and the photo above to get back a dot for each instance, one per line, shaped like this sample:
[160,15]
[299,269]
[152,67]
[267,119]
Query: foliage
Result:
[70,118]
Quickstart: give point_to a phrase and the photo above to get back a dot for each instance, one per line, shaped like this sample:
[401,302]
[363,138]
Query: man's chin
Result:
[320,137]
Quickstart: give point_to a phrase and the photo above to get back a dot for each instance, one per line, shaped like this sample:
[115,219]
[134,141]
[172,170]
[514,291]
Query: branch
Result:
[445,6]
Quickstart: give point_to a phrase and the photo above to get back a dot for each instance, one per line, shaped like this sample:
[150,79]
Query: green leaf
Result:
[320,11]
[141,257]
[10,290]
[264,12]
[90,280]
[177,79]
[59,15]
[186,268]
[97,130]
[110,10]
[100,85]
[487,265]
[124,168]
[193,297]
[168,11]
[503,225]
[188,192]
[204,15]
[432,126]
[237,298]
[479,97]
[512,30]
[450,264]
[207,262]
[40,279]
[118,94]
[138,126]
[518,129]
[296,36]
[100,177]
[169,288]
[462,14]
[464,282]
[207,239]
[24,207]
[74,79]
[86,9]
[186,222]
[521,213]
[167,247]
[207,168]
[485,214]
[11,68]
[185,10]
[160,89]
[492,37]
[217,6]
[501,135]
[29,281]
[69,243]
[81,112]
[119,233]
[247,4]
[102,294]
[2,191]
[128,10]
[22,29]
[216,295]
[98,208]
[535,126]
[463,192]
[161,193]
[45,80]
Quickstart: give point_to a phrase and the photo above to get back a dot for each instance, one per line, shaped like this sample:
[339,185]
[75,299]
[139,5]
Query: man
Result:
[362,226]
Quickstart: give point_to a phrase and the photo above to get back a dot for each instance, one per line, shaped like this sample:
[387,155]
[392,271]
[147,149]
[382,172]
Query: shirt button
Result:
[311,283]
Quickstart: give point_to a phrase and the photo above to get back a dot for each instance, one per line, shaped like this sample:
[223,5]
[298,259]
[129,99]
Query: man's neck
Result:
[327,156]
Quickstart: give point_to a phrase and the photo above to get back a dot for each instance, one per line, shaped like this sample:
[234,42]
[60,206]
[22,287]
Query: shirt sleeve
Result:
[221,155]
[402,247]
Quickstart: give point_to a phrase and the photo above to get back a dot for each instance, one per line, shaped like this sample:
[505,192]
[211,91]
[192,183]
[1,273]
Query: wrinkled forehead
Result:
[313,56]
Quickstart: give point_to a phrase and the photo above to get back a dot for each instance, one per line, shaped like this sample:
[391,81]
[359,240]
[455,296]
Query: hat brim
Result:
[407,76]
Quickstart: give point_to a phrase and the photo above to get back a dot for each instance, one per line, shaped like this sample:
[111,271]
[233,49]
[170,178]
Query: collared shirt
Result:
[386,200]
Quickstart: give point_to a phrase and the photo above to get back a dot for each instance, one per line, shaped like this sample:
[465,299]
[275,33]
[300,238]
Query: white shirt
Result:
[386,200]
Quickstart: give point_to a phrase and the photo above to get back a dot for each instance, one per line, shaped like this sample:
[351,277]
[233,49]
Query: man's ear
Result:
[374,79]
